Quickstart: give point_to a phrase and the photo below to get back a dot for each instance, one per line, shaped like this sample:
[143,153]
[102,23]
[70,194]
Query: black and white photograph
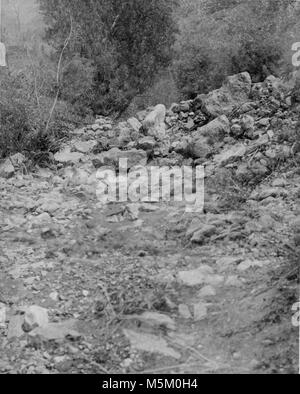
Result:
[149,190]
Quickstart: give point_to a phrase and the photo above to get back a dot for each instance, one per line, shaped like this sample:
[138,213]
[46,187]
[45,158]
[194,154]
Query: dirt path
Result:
[126,290]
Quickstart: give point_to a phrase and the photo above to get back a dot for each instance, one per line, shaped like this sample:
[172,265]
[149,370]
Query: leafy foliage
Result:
[126,42]
[218,38]
[24,112]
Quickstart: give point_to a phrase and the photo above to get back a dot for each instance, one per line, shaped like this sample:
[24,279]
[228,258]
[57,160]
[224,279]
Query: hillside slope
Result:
[135,287]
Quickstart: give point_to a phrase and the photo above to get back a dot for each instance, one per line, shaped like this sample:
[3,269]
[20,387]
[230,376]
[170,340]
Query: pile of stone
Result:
[219,129]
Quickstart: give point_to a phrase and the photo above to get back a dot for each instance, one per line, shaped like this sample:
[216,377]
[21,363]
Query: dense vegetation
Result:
[103,55]
[218,38]
[124,42]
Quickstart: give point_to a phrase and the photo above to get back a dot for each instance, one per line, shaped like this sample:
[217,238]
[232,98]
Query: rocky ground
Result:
[148,287]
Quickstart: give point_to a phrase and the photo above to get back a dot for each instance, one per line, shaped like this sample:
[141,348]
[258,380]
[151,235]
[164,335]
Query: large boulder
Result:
[154,123]
[230,155]
[199,148]
[216,129]
[234,92]
[135,124]
[35,316]
[135,157]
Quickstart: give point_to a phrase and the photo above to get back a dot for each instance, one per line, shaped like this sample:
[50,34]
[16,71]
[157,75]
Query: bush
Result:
[125,42]
[163,91]
[296,92]
[77,82]
[218,39]
[14,126]
[24,113]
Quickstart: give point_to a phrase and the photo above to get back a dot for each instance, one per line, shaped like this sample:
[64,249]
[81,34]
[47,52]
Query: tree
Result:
[127,42]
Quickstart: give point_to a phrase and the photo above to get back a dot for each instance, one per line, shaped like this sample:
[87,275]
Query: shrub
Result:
[77,79]
[14,126]
[163,91]
[24,113]
[218,39]
[126,42]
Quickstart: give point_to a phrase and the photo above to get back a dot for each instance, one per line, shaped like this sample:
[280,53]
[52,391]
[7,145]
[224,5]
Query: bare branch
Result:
[67,41]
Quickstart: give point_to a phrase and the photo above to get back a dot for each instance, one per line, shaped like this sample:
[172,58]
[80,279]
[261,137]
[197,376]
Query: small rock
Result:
[267,222]
[127,363]
[196,277]
[18,159]
[56,331]
[273,192]
[236,356]
[111,158]
[155,118]
[5,366]
[184,311]
[184,106]
[295,225]
[30,281]
[68,157]
[40,220]
[255,364]
[150,344]
[207,291]
[95,127]
[7,170]
[236,130]
[271,153]
[198,148]
[224,263]
[233,281]
[280,182]
[147,143]
[50,206]
[141,115]
[64,366]
[200,311]
[54,296]
[59,359]
[206,232]
[231,155]
[158,319]
[2,315]
[15,329]
[247,123]
[264,122]
[190,125]
[85,146]
[134,124]
[35,316]
[244,266]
